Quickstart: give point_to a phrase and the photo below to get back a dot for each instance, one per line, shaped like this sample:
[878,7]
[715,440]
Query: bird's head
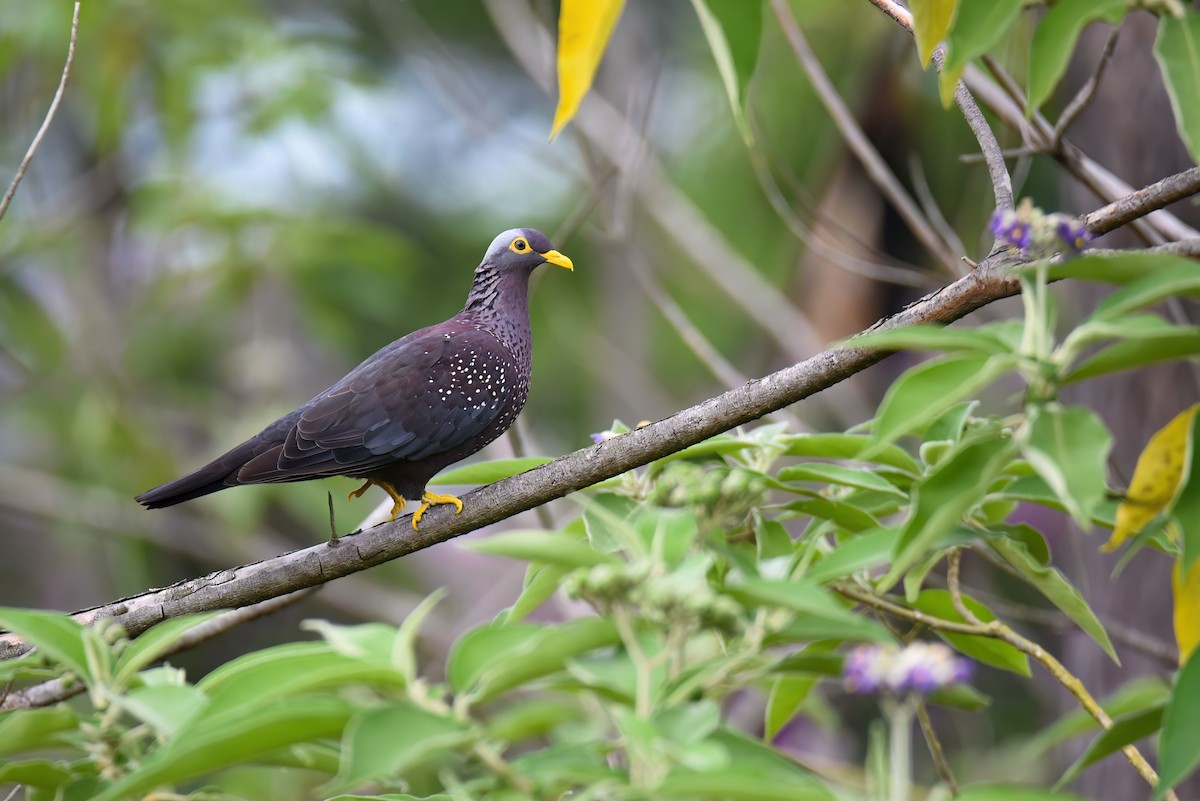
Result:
[522,249]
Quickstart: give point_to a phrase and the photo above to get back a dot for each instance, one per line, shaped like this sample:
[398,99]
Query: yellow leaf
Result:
[1155,478]
[1187,609]
[931,23]
[584,27]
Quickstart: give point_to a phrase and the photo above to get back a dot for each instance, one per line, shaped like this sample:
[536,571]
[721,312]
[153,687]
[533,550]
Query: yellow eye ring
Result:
[519,245]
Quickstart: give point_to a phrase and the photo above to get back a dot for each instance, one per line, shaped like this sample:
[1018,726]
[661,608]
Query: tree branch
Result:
[992,155]
[992,280]
[58,96]
[1143,201]
[318,564]
[873,163]
[55,690]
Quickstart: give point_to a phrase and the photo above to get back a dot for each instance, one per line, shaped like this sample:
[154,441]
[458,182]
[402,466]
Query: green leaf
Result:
[488,472]
[1118,268]
[669,533]
[944,498]
[1125,730]
[264,678]
[850,446]
[541,581]
[393,797]
[842,476]
[1179,743]
[813,629]
[960,696]
[154,643]
[363,642]
[1136,696]
[983,649]
[1012,792]
[753,772]
[1054,41]
[55,635]
[541,546]
[933,337]
[800,597]
[924,392]
[404,645]
[1069,447]
[1166,343]
[166,707]
[949,427]
[1035,490]
[846,515]
[856,553]
[1185,507]
[35,729]
[1054,586]
[931,21]
[688,723]
[34,773]
[490,660]
[1149,289]
[386,742]
[234,741]
[733,29]
[475,651]
[606,521]
[787,694]
[771,539]
[1177,49]
[978,26]
[533,717]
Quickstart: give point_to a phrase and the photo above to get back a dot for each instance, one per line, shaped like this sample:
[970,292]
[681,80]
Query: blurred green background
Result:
[241,199]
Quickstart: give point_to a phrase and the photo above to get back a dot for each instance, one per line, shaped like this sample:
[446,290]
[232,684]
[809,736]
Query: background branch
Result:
[58,95]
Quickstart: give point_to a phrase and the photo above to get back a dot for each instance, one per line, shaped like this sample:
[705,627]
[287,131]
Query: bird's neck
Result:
[499,303]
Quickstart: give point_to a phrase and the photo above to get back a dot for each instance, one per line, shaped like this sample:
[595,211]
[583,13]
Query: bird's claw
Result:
[429,499]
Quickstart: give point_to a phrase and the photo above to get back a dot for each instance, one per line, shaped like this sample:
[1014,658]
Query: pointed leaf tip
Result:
[584,28]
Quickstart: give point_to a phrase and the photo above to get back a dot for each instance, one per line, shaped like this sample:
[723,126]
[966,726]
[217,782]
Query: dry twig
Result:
[58,96]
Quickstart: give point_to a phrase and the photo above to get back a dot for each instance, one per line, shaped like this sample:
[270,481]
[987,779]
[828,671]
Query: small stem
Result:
[997,630]
[643,705]
[900,715]
[497,764]
[952,583]
[935,748]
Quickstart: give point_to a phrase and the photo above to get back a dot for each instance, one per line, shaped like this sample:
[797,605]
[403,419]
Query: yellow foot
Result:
[432,499]
[398,503]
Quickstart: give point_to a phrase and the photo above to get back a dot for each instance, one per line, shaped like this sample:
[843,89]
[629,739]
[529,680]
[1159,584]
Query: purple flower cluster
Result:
[919,667]
[1034,233]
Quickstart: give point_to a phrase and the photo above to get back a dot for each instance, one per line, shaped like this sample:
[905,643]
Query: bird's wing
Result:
[424,394]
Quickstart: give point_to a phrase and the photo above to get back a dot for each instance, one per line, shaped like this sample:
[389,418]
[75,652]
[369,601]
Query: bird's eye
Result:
[519,245]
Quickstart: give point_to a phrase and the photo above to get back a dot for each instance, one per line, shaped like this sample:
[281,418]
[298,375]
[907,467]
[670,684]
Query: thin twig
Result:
[1086,93]
[1038,136]
[1140,203]
[873,164]
[953,566]
[997,169]
[930,206]
[58,96]
[516,439]
[999,631]
[843,259]
[56,690]
[936,752]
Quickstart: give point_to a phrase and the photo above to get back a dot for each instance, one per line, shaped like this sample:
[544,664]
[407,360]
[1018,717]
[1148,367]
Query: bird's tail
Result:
[215,476]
